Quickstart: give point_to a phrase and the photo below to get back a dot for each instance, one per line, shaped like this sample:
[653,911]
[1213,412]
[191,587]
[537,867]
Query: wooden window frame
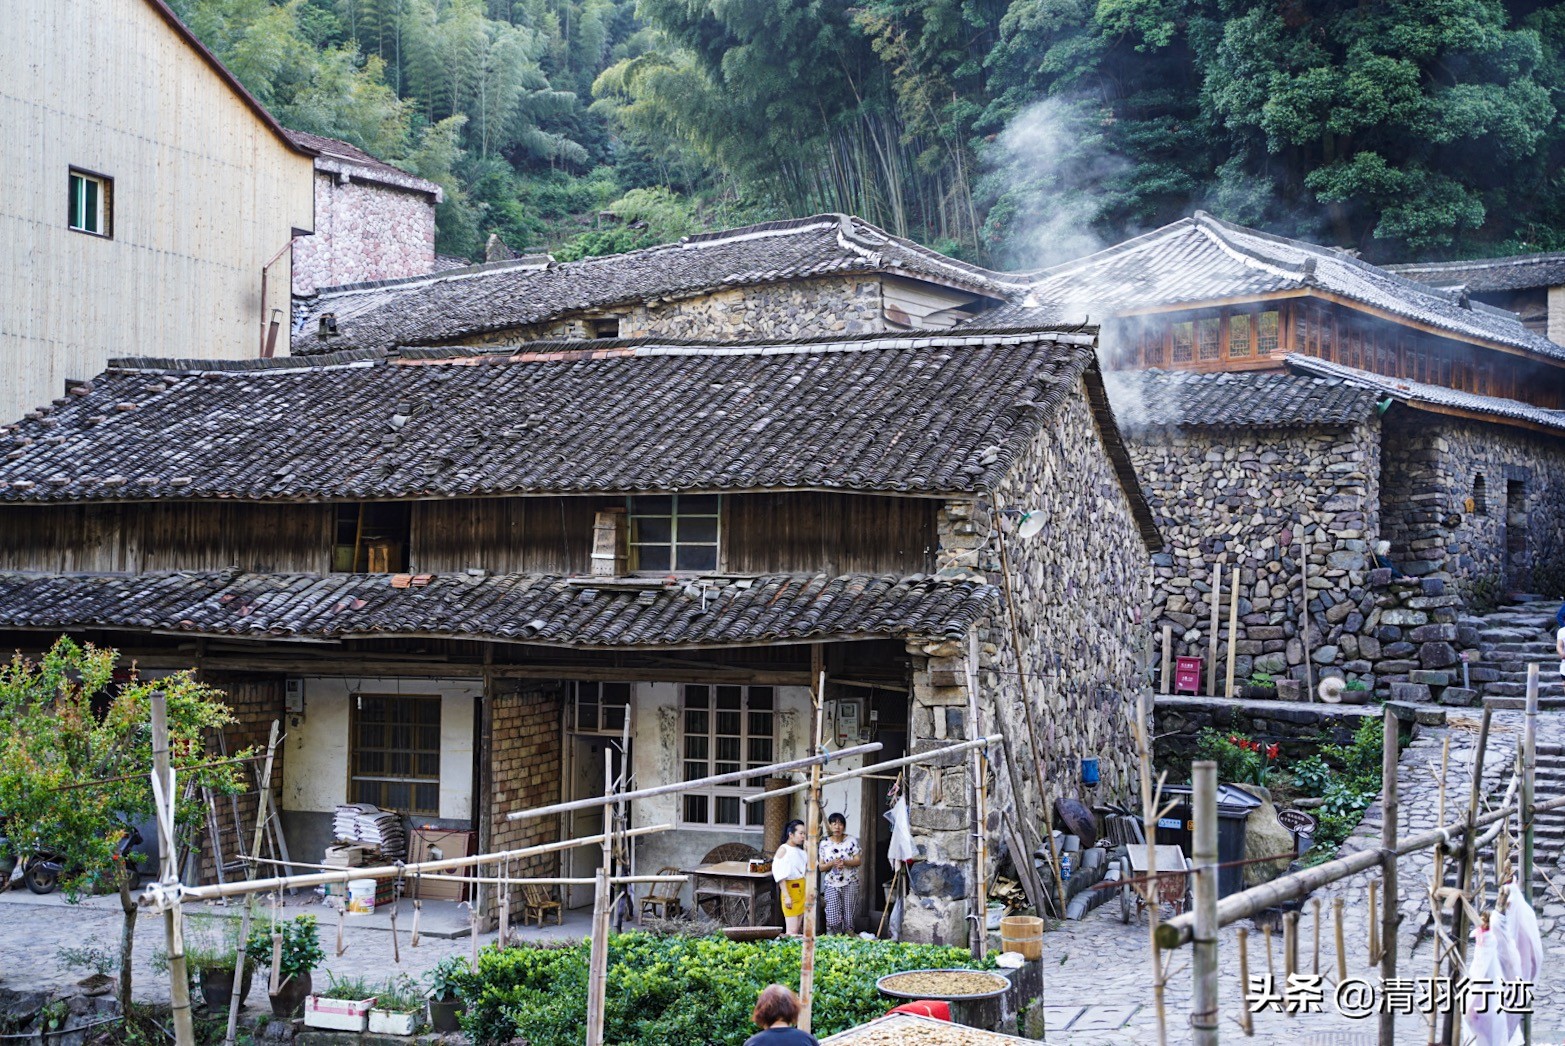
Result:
[104,212]
[674,542]
[693,766]
[600,702]
[382,782]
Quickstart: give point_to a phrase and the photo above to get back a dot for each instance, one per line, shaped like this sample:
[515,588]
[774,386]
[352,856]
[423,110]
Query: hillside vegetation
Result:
[1014,133]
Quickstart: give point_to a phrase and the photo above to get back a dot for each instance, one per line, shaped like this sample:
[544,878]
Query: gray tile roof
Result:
[1202,259]
[1522,272]
[1265,399]
[1417,393]
[336,156]
[503,295]
[891,413]
[541,609]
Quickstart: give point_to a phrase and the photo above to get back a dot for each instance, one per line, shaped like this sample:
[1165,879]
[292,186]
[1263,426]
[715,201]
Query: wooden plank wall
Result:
[165,536]
[834,533]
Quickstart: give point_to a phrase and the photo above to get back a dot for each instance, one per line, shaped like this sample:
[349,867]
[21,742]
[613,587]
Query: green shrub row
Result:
[693,991]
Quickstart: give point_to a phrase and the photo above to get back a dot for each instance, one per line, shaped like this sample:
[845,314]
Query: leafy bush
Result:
[348,989]
[1353,784]
[665,990]
[301,950]
[1239,758]
[1311,775]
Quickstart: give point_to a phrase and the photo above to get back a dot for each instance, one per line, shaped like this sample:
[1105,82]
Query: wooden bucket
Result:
[1024,934]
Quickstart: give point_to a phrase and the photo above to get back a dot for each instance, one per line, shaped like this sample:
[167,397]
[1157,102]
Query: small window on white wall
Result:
[394,747]
[600,708]
[91,202]
[726,729]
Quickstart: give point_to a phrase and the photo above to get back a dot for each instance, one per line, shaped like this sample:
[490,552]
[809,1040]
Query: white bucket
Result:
[361,896]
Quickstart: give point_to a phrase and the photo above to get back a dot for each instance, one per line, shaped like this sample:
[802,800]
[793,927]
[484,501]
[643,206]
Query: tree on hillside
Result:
[76,761]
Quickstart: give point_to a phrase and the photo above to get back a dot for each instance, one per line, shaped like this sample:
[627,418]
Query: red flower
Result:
[1271,751]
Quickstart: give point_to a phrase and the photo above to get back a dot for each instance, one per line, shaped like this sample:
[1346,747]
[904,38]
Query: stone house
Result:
[150,199]
[822,276]
[1530,285]
[499,555]
[1289,405]
[373,221]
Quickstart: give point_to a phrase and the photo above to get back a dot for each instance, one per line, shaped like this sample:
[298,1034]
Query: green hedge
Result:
[679,990]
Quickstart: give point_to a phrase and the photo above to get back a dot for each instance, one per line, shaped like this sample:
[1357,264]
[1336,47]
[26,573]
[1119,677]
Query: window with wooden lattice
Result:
[1266,329]
[395,752]
[1152,347]
[1209,332]
[1184,341]
[1239,336]
[726,729]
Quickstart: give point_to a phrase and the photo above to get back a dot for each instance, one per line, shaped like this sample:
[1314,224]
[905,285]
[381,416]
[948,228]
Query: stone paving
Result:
[1097,971]
[1100,969]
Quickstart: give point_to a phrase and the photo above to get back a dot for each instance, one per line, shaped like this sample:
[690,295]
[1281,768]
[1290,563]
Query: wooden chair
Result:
[663,898]
[538,901]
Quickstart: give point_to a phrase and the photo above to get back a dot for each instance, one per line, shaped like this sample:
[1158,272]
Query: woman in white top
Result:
[790,865]
[1559,648]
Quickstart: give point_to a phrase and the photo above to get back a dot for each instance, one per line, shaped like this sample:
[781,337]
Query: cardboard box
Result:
[451,842]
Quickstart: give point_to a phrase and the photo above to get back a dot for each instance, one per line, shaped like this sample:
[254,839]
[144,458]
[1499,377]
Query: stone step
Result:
[1518,688]
[1508,703]
[1521,652]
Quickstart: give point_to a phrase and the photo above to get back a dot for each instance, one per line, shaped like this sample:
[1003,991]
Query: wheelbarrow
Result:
[1171,887]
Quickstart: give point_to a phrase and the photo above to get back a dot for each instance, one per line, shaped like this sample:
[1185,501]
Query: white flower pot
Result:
[337,1014]
[390,1022]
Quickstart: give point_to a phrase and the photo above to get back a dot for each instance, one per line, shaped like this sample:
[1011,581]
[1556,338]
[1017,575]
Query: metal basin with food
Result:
[945,985]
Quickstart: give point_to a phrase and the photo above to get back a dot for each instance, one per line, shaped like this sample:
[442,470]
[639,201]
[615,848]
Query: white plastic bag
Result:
[1489,1026]
[1524,931]
[901,847]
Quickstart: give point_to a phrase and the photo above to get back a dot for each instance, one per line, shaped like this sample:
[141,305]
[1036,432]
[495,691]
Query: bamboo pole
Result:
[1373,932]
[1211,640]
[1315,959]
[1390,757]
[1290,949]
[812,845]
[1304,610]
[1436,880]
[1177,931]
[1203,796]
[1459,926]
[1168,659]
[598,955]
[1233,626]
[702,782]
[1529,771]
[889,764]
[979,926]
[1342,951]
[1246,1020]
[1149,812]
[230,1036]
[173,915]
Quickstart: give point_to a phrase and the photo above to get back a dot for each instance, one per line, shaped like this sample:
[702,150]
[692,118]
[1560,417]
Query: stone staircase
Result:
[1509,638]
[1548,833]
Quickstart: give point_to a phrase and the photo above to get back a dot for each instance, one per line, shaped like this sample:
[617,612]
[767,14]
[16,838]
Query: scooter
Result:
[41,871]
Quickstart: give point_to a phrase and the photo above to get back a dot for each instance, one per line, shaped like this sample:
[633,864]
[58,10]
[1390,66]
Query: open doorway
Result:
[597,717]
[1518,572]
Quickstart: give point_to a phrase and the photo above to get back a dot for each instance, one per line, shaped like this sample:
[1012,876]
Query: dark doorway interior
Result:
[1518,573]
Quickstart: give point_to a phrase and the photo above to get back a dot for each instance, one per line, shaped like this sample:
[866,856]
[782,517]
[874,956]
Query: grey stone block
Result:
[1437,655]
[1433,633]
[1415,693]
[1397,650]
[1429,677]
[1457,695]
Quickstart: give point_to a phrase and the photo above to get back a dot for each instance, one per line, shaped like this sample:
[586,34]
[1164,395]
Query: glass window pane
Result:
[428,799]
[760,751]
[728,723]
[653,530]
[697,696]
[653,558]
[696,720]
[730,696]
[761,724]
[695,746]
[654,505]
[76,200]
[429,764]
[760,697]
[616,692]
[697,557]
[1266,334]
[699,504]
[694,771]
[1184,336]
[726,768]
[1239,335]
[695,809]
[614,717]
[754,814]
[727,810]
[586,715]
[698,530]
[728,748]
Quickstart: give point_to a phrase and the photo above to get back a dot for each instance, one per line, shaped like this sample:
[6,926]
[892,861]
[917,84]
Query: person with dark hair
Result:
[840,858]
[775,1011]
[790,865]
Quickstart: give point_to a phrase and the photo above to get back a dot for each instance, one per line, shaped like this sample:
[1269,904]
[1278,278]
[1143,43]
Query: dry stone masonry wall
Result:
[1258,499]
[364,231]
[1080,601]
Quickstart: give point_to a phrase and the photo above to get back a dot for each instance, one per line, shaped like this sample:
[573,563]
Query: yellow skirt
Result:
[791,891]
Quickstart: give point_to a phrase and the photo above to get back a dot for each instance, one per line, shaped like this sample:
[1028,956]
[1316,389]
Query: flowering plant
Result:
[1239,758]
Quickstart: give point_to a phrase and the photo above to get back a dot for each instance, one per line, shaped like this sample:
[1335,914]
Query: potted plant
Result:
[1259,687]
[345,1006]
[442,982]
[397,1009]
[1355,692]
[297,945]
[211,954]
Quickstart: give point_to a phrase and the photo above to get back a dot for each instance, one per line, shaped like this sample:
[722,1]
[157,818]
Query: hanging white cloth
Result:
[901,847]
[1524,931]
[1488,1025]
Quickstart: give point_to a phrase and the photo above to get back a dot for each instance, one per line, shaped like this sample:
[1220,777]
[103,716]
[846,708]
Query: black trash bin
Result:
[1233,812]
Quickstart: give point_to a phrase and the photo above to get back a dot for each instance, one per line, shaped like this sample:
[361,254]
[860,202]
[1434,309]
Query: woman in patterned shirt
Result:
[840,858]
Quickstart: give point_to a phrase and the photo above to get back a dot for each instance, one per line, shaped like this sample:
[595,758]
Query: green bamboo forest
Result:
[1014,133]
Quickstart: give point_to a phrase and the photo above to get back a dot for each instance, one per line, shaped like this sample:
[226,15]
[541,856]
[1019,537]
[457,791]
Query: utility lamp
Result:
[1029,522]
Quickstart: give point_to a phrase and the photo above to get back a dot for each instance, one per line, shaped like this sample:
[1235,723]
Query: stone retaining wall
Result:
[1300,729]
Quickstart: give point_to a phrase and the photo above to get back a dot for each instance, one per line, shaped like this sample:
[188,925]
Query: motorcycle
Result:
[43,869]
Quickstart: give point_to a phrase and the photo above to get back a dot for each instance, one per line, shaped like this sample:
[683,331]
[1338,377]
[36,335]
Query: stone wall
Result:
[1252,499]
[1080,597]
[364,231]
[255,701]
[798,309]
[526,768]
[1447,510]
[1299,729]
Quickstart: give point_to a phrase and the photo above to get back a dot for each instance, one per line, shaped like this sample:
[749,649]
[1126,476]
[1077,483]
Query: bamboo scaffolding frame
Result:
[889,764]
[812,845]
[1203,801]
[173,915]
[1391,754]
